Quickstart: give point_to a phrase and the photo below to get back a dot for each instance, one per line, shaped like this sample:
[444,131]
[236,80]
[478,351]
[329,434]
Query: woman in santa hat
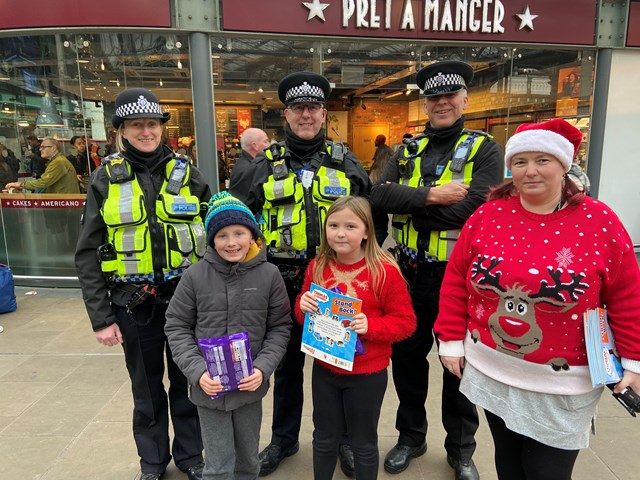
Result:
[527,265]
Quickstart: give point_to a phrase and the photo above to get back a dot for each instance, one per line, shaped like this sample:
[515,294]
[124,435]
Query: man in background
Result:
[59,175]
[32,152]
[252,142]
[85,158]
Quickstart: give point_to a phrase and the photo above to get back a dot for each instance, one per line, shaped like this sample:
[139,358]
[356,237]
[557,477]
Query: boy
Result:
[232,290]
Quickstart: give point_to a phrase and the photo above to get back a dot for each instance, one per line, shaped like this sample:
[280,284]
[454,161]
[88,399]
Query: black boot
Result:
[464,469]
[398,458]
[346,460]
[272,455]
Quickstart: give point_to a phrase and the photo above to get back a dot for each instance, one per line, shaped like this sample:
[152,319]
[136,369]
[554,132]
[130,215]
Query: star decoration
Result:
[564,257]
[526,19]
[316,9]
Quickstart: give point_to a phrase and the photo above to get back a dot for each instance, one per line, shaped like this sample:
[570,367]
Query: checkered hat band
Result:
[310,93]
[443,80]
[138,107]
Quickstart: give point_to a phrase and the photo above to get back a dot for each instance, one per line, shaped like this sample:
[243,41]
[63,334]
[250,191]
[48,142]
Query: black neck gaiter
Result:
[149,159]
[301,148]
[444,134]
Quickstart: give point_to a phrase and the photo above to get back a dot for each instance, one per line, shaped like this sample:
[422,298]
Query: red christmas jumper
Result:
[518,283]
[389,313]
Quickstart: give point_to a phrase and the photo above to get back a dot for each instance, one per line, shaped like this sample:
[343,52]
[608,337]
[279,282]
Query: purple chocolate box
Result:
[228,359]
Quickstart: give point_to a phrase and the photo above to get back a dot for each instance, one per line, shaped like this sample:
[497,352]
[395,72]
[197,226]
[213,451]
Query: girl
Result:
[351,260]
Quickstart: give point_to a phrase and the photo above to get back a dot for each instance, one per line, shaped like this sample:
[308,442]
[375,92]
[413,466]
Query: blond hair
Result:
[375,256]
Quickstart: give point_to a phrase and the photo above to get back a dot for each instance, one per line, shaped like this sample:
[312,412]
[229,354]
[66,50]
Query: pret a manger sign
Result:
[448,16]
[531,21]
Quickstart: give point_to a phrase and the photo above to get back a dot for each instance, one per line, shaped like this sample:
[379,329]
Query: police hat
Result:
[444,77]
[137,103]
[303,87]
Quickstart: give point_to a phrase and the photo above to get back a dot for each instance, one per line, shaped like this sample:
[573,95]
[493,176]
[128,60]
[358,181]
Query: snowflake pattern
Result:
[480,311]
[564,257]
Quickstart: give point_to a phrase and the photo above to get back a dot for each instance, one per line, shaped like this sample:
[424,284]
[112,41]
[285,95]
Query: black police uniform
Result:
[288,384]
[145,344]
[410,367]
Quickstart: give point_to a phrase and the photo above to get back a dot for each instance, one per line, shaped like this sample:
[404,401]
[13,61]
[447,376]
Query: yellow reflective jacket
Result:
[435,244]
[293,214]
[139,257]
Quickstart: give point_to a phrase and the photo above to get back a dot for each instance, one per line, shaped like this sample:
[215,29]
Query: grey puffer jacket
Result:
[215,298]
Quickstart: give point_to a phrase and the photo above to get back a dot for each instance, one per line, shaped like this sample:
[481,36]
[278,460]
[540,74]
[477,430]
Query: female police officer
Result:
[142,216]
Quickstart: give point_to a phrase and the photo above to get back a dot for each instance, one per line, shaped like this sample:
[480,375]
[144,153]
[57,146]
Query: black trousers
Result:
[288,395]
[346,403]
[145,349]
[522,458]
[410,369]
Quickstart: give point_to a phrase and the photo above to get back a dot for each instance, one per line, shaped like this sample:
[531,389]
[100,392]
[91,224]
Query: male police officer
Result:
[432,186]
[292,186]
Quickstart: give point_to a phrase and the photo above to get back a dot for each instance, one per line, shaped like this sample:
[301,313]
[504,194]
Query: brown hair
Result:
[375,256]
[571,193]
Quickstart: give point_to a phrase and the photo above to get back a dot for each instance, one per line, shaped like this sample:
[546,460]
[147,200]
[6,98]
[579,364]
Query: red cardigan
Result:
[389,314]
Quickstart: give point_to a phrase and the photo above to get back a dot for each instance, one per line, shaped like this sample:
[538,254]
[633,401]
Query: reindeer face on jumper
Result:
[513,326]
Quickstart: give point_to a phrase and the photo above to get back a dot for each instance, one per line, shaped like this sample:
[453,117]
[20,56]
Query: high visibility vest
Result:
[140,258]
[434,245]
[293,215]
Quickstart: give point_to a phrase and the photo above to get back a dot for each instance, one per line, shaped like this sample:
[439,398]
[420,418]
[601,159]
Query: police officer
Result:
[143,217]
[432,186]
[290,189]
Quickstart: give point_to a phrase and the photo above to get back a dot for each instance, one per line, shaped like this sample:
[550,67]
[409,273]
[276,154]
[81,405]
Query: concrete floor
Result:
[65,409]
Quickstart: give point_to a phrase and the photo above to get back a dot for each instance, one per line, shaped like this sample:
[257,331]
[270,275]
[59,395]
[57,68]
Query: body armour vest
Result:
[140,257]
[434,245]
[296,204]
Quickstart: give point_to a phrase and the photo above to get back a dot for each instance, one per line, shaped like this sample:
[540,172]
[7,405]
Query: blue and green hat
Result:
[225,210]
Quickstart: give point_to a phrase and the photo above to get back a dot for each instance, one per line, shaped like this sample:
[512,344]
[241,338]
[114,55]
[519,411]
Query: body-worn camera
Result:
[279,169]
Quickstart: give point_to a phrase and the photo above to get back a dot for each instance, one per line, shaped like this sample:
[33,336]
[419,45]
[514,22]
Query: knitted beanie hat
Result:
[556,137]
[225,210]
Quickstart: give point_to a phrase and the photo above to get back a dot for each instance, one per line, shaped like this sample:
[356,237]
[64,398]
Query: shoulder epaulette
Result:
[274,152]
[477,132]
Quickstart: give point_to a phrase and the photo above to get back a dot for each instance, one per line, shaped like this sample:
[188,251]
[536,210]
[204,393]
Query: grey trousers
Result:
[231,441]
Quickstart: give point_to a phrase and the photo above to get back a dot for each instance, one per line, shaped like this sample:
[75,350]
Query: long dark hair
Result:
[571,193]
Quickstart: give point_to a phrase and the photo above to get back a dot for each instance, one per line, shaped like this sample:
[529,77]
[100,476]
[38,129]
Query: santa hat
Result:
[556,137]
